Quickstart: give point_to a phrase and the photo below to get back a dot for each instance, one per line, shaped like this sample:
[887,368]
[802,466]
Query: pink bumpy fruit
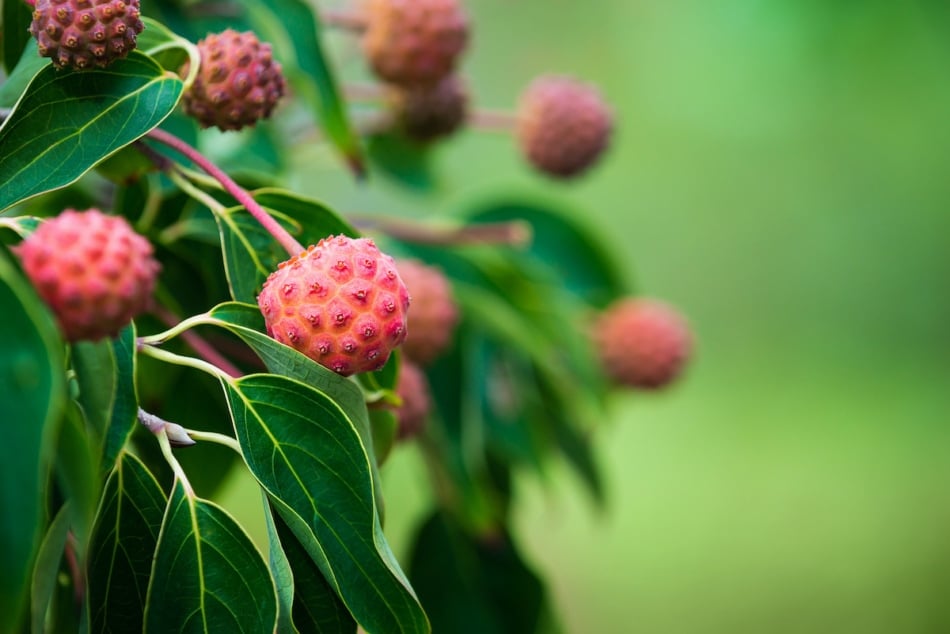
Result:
[413,389]
[238,84]
[563,125]
[93,271]
[341,302]
[642,343]
[434,311]
[414,43]
[428,113]
[85,33]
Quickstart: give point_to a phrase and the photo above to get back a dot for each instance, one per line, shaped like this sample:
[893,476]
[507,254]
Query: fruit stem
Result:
[515,233]
[166,448]
[343,19]
[220,439]
[363,92]
[240,194]
[204,349]
[177,359]
[492,120]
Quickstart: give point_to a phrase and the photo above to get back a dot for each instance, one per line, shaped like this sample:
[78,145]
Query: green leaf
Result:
[70,120]
[32,397]
[207,576]
[124,401]
[251,253]
[14,26]
[565,245]
[293,28]
[46,568]
[20,225]
[246,322]
[470,585]
[77,474]
[95,367]
[167,48]
[282,573]
[30,63]
[402,160]
[314,605]
[306,453]
[122,546]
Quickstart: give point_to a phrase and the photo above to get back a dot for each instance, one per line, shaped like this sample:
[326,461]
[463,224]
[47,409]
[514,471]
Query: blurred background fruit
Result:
[778,173]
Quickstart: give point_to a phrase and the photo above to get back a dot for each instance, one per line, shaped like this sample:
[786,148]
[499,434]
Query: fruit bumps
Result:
[413,390]
[92,270]
[341,303]
[238,83]
[563,125]
[428,113]
[642,343]
[434,311]
[82,34]
[414,42]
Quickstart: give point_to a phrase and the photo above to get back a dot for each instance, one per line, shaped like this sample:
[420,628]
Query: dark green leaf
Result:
[123,544]
[384,425]
[292,26]
[281,571]
[316,608]
[207,576]
[95,367]
[402,160]
[165,47]
[307,454]
[15,23]
[125,402]
[455,440]
[32,397]
[472,585]
[77,474]
[20,225]
[566,246]
[93,113]
[29,64]
[46,568]
[246,322]
[251,254]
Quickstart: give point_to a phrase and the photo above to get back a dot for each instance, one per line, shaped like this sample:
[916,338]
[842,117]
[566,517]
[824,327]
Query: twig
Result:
[204,349]
[514,233]
[492,120]
[343,19]
[240,194]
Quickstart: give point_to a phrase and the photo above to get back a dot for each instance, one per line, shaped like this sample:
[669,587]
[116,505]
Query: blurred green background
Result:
[780,172]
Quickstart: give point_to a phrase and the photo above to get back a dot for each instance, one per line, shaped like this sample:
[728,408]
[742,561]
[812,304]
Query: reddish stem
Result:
[204,349]
[363,92]
[239,193]
[75,570]
[493,120]
[514,233]
[344,19]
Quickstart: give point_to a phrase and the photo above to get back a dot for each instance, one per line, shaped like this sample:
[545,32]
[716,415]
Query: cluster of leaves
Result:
[106,528]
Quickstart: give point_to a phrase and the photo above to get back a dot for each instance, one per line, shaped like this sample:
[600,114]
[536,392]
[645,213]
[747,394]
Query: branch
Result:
[240,194]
